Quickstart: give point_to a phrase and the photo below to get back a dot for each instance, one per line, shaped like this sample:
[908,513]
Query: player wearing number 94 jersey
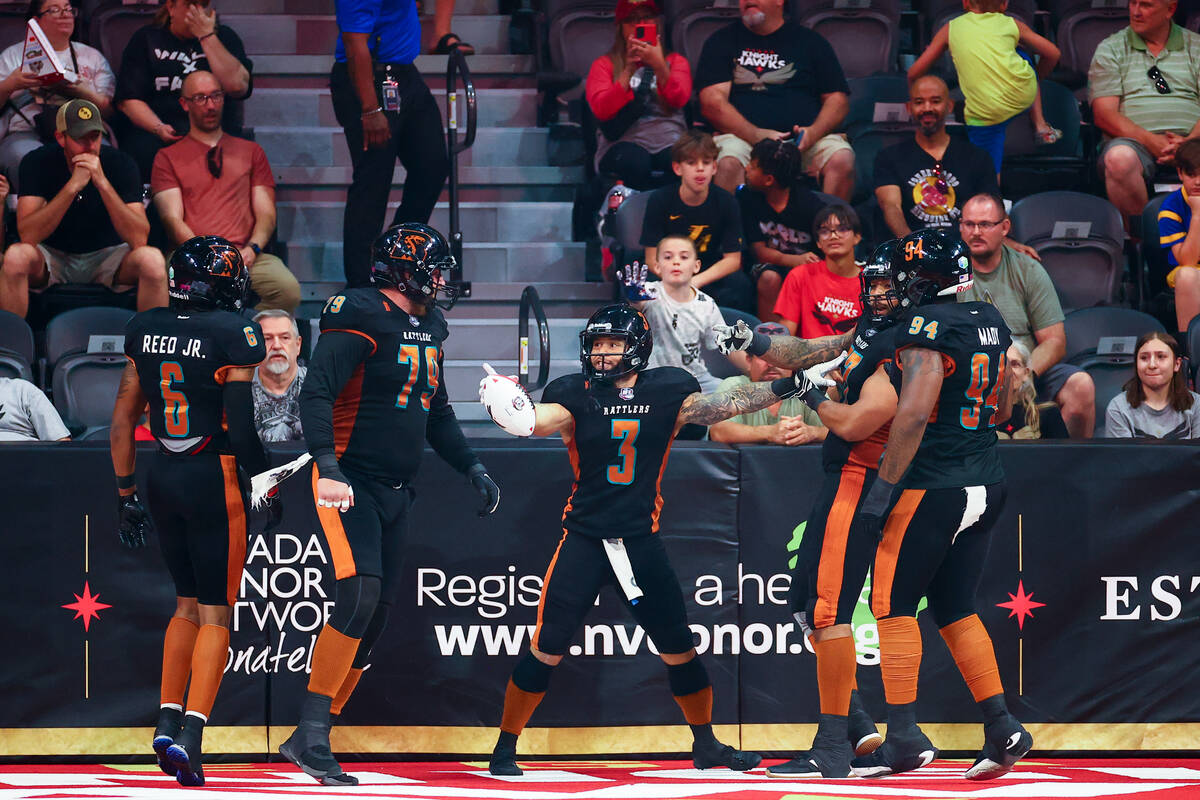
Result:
[618,420]
[933,534]
[192,362]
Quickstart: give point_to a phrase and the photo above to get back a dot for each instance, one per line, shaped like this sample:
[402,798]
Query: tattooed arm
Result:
[792,353]
[923,374]
[126,413]
[705,409]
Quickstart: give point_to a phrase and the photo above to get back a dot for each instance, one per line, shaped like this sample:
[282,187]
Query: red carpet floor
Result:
[1162,779]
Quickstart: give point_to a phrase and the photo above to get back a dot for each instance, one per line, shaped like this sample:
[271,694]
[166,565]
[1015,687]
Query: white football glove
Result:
[812,382]
[733,338]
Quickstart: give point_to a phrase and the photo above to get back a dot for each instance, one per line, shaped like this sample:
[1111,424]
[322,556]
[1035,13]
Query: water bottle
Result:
[616,196]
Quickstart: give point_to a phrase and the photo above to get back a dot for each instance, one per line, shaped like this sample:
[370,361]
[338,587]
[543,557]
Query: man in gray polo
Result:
[1145,88]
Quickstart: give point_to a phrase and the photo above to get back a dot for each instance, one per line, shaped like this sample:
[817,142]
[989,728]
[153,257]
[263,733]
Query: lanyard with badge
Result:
[389,88]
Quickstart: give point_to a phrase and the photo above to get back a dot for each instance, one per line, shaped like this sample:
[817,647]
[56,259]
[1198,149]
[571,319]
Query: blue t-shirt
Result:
[393,24]
[1174,217]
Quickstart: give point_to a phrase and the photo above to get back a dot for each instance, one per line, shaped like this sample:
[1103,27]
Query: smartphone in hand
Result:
[646,32]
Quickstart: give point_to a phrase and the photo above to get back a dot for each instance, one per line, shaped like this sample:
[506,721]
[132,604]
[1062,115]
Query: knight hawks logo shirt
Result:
[776,80]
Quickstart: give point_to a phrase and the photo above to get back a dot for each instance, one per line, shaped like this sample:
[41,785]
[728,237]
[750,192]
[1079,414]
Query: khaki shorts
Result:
[814,158]
[98,266]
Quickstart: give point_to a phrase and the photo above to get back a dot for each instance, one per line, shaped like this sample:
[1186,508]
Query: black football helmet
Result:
[207,273]
[626,322]
[415,259]
[880,268]
[928,266]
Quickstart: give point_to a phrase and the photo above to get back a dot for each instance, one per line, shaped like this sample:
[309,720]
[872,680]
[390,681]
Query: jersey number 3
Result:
[981,382]
[626,431]
[411,354]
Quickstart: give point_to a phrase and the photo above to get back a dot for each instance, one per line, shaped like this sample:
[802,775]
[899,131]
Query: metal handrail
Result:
[456,67]
[530,300]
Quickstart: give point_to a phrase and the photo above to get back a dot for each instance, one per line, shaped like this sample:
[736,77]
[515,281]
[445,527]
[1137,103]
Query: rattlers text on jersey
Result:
[619,448]
[959,446]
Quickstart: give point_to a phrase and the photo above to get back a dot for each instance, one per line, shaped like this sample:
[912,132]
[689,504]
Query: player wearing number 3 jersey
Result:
[618,420]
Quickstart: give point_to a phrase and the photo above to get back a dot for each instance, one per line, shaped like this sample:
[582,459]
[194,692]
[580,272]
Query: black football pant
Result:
[417,140]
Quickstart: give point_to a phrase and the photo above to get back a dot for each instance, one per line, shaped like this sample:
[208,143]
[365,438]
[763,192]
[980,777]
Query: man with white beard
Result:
[277,380]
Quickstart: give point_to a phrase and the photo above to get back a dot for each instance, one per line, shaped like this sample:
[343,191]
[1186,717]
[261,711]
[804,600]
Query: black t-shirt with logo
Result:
[156,61]
[789,231]
[715,225]
[777,79]
[87,225]
[966,171]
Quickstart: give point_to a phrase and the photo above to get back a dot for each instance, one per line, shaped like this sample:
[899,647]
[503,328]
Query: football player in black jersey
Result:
[193,363]
[933,533]
[372,397]
[618,420]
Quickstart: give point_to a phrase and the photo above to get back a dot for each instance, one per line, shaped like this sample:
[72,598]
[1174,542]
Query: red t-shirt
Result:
[823,304]
[214,206]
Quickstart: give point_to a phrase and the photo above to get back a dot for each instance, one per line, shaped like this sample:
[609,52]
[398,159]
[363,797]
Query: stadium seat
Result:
[1193,346]
[873,102]
[12,23]
[1154,269]
[110,29]
[84,384]
[629,220]
[1030,167]
[1079,32]
[866,40]
[692,28]
[1086,326]
[719,365]
[1081,241]
[16,347]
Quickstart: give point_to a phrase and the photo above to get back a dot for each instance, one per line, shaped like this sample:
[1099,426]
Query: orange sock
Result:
[177,659]
[971,647]
[519,706]
[333,656]
[208,666]
[899,658]
[697,706]
[835,674]
[346,690]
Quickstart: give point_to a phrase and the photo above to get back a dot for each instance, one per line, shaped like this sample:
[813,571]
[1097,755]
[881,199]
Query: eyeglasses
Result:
[59,11]
[205,99]
[983,226]
[1160,81]
[215,160]
[840,230]
[939,179]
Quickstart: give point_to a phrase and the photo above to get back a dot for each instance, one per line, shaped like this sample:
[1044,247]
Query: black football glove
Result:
[274,509]
[489,492]
[874,510]
[134,522]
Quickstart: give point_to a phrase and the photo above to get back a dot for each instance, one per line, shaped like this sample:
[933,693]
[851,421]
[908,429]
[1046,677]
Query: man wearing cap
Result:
[767,78]
[80,218]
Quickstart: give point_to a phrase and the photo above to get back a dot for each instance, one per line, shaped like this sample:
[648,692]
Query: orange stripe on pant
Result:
[335,536]
[235,513]
[537,631]
[831,568]
[888,552]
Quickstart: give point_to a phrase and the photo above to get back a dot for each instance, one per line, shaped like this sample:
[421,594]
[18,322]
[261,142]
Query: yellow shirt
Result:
[998,84]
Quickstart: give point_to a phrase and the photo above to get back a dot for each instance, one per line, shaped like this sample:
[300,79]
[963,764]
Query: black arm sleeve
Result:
[443,432]
[243,438]
[337,355]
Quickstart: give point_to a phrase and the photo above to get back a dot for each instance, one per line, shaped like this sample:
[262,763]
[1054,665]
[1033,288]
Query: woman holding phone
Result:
[637,92]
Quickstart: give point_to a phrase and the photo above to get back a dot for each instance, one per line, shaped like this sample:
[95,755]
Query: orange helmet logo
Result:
[225,265]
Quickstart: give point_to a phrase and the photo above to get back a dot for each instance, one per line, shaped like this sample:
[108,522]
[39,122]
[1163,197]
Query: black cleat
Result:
[864,736]
[715,754]
[184,753]
[504,762]
[829,756]
[899,753]
[308,749]
[170,720]
[1005,742]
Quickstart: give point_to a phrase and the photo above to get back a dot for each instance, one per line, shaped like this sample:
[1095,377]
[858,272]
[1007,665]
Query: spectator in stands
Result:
[32,104]
[637,93]
[1156,403]
[387,113]
[81,218]
[708,215]
[27,415]
[823,298]
[277,380]
[997,78]
[211,183]
[184,37]
[778,219]
[1021,290]
[788,422]
[767,78]
[1030,419]
[1181,238]
[1145,98]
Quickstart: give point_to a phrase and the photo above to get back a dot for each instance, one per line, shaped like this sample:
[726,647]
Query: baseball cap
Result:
[770,329]
[641,8]
[78,118]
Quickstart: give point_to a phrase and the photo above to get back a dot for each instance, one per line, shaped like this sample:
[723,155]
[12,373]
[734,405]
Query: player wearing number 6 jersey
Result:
[193,363]
[933,533]
[618,420]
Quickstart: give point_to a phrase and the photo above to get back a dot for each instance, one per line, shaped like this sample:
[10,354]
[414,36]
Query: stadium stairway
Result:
[515,209]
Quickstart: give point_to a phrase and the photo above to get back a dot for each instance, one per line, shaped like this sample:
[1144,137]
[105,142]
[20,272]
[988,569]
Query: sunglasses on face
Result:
[1160,82]
[939,179]
[215,160]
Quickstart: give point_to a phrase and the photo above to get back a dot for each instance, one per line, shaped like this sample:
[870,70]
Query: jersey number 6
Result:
[175,403]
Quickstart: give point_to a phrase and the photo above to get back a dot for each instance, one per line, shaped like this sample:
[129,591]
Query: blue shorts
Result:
[991,137]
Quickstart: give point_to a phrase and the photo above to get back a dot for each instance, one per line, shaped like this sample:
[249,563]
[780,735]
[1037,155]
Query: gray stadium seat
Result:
[1030,167]
[16,347]
[1154,258]
[719,365]
[110,29]
[691,30]
[866,40]
[865,96]
[1193,346]
[1079,32]
[1085,261]
[84,385]
[629,220]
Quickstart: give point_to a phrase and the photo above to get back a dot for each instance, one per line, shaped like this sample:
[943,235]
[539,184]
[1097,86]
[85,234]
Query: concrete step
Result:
[316,34]
[462,8]
[489,300]
[467,176]
[294,145]
[497,108]
[480,222]
[495,262]
[273,69]
[486,339]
